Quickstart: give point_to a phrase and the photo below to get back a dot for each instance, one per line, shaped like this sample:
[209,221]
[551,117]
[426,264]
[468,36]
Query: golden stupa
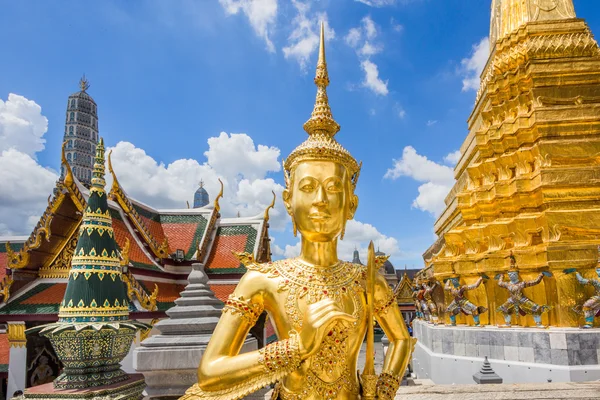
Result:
[528,181]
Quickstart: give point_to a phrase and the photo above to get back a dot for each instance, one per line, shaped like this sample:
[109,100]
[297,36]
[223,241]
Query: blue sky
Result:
[169,75]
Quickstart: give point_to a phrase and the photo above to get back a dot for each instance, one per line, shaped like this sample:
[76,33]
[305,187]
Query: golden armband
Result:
[382,306]
[283,355]
[387,386]
[248,311]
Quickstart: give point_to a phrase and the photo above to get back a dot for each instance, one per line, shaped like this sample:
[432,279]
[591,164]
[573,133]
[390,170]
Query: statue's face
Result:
[320,200]
[513,276]
[455,282]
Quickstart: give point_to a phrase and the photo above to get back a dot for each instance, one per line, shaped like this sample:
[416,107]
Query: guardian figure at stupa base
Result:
[317,303]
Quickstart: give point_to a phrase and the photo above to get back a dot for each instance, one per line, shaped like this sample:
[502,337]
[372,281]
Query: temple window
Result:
[70,130]
[72,116]
[69,157]
[73,103]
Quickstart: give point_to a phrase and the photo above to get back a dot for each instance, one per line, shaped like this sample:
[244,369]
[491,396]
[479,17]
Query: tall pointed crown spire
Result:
[321,128]
[321,120]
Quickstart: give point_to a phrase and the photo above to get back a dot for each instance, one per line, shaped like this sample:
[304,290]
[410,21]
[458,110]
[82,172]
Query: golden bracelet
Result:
[281,355]
[387,386]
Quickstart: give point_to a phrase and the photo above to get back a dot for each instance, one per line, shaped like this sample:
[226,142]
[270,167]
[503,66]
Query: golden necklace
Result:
[313,284]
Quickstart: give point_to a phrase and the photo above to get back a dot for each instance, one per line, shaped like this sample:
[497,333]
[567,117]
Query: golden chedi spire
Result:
[510,15]
[321,128]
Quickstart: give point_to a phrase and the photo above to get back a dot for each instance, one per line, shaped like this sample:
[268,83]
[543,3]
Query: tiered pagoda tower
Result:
[528,181]
[93,333]
[81,134]
[201,198]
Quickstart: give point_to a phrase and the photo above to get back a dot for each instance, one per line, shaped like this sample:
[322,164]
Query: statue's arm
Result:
[390,319]
[501,282]
[447,285]
[533,282]
[223,372]
[581,279]
[475,285]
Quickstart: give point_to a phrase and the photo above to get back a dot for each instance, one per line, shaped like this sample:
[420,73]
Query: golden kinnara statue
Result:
[317,303]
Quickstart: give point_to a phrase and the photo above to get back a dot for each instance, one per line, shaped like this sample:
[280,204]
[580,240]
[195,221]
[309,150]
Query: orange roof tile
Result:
[221,255]
[167,292]
[52,295]
[135,252]
[3,261]
[222,291]
[4,349]
[180,235]
[155,229]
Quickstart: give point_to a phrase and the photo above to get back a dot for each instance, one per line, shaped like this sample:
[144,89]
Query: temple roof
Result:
[140,230]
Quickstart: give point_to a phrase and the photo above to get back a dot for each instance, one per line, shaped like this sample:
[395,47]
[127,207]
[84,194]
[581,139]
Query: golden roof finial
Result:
[321,120]
[270,206]
[84,84]
[217,206]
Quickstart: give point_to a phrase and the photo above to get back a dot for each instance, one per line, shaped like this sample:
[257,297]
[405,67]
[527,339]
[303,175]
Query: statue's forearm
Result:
[398,356]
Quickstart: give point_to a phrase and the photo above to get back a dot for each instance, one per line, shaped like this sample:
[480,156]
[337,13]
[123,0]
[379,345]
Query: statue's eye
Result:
[334,187]
[307,188]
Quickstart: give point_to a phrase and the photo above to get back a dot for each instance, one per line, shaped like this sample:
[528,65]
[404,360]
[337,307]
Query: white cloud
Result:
[372,80]
[358,235]
[22,125]
[369,49]
[242,166]
[363,40]
[353,37]
[262,15]
[24,184]
[472,66]
[399,111]
[431,122]
[438,179]
[453,157]
[304,39]
[377,3]
[397,27]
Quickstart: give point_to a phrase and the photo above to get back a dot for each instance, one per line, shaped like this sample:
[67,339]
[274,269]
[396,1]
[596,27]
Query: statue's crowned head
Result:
[455,281]
[320,174]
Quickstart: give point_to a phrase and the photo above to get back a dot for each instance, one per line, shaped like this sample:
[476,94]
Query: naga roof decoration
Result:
[160,250]
[42,232]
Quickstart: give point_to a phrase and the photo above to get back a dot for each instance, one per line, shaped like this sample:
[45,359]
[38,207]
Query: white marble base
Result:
[451,355]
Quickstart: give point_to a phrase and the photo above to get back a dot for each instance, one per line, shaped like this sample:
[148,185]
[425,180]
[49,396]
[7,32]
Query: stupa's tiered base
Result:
[130,389]
[451,355]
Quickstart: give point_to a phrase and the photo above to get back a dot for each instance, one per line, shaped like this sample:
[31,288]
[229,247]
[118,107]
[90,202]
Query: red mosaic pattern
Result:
[180,236]
[4,349]
[222,292]
[52,295]
[221,255]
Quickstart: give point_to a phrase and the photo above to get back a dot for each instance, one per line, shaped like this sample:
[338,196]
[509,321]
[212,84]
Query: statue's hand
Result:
[546,273]
[317,320]
[569,270]
[485,277]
